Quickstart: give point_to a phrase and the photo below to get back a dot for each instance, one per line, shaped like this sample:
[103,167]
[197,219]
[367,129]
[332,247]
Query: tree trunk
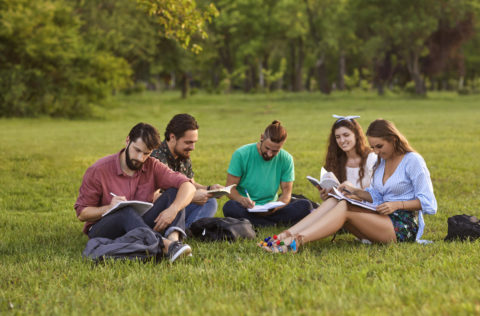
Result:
[299,67]
[171,85]
[308,81]
[413,66]
[185,82]
[341,71]
[261,79]
[247,83]
[321,75]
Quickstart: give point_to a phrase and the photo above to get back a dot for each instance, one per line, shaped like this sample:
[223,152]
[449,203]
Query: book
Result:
[327,180]
[364,204]
[221,192]
[266,207]
[139,206]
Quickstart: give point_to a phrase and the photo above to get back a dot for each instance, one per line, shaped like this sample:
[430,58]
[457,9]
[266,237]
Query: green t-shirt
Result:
[261,178]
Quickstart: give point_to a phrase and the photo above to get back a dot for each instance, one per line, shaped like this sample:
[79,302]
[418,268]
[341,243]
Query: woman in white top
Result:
[349,158]
[348,155]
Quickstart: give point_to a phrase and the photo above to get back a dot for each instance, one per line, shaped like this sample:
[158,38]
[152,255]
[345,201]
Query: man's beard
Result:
[266,158]
[132,164]
[181,155]
[264,155]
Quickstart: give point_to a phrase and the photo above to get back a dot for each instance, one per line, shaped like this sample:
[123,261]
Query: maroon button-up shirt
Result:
[106,176]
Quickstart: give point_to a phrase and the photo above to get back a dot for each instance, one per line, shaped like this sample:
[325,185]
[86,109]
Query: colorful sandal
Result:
[275,245]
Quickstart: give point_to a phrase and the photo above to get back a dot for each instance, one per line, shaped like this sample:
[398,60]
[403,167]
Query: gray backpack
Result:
[222,228]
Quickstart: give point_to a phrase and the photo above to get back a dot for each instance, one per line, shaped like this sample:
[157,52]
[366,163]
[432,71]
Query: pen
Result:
[112,194]
[248,195]
[345,190]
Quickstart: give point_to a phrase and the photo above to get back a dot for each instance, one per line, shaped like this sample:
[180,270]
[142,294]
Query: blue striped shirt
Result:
[410,181]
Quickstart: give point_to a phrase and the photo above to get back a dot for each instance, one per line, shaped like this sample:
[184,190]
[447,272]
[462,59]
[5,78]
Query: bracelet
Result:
[208,188]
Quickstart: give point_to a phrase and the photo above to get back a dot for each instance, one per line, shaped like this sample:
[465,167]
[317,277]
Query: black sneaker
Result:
[177,249]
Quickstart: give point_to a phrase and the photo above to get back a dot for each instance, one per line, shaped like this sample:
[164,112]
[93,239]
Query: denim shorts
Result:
[405,224]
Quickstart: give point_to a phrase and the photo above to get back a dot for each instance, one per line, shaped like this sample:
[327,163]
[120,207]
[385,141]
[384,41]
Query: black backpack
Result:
[222,228]
[463,227]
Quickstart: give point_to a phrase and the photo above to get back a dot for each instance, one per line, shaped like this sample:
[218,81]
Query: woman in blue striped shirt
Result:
[401,189]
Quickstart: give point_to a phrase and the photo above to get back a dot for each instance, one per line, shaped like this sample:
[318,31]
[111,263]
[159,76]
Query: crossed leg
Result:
[309,220]
[362,223]
[332,215]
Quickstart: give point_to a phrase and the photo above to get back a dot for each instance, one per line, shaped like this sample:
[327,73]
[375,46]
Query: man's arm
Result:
[94,213]
[234,195]
[286,195]
[199,186]
[184,196]
[201,196]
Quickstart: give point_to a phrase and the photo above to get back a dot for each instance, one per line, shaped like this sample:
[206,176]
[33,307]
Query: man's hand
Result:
[156,195]
[201,197]
[270,211]
[246,202]
[164,219]
[216,187]
[116,199]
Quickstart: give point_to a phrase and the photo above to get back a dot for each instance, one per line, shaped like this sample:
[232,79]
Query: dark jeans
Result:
[124,220]
[287,215]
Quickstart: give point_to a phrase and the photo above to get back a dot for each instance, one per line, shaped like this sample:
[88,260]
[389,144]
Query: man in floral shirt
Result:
[181,135]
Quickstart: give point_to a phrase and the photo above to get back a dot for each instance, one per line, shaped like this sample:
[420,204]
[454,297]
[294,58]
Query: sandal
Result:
[275,245]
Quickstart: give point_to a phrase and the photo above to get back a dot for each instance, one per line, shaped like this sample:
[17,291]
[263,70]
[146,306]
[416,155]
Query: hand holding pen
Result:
[116,199]
[247,202]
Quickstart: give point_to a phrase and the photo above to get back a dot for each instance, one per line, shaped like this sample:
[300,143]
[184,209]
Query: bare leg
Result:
[310,219]
[354,231]
[372,226]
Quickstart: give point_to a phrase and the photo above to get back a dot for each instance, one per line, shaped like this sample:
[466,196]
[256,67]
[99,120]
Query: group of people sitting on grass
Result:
[388,173]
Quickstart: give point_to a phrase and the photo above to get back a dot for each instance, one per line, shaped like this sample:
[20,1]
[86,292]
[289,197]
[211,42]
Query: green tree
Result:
[180,19]
[46,67]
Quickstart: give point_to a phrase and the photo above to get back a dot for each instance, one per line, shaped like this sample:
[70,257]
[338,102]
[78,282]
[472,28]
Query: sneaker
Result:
[177,249]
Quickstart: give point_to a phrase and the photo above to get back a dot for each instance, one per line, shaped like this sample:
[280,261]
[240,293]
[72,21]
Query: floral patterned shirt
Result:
[163,154]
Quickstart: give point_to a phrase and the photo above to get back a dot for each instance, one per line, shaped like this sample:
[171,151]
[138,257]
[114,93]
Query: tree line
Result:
[57,57]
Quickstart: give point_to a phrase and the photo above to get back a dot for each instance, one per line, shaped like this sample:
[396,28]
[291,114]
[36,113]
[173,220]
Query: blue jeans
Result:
[194,211]
[124,220]
[287,215]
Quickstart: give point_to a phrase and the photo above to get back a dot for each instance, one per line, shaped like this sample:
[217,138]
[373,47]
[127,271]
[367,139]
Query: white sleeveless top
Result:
[354,178]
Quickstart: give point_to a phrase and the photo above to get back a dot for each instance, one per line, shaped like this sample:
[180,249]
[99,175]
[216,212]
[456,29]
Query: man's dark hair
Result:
[276,132]
[179,124]
[147,133]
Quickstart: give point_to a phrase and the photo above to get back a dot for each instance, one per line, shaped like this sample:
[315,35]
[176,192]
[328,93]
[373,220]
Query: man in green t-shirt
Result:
[258,170]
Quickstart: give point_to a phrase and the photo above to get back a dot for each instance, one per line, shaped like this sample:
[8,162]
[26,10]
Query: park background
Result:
[75,76]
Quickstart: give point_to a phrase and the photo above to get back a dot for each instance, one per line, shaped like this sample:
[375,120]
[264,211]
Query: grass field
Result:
[42,162]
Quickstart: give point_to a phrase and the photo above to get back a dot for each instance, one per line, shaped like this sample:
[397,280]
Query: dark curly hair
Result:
[179,124]
[336,158]
[147,133]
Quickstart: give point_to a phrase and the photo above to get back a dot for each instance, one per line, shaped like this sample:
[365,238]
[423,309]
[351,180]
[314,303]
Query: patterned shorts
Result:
[405,225]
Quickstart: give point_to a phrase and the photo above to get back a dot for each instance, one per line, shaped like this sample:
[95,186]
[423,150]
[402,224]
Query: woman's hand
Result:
[388,207]
[347,188]
[324,193]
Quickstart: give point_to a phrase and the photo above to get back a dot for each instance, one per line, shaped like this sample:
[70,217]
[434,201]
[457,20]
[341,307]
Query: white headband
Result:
[343,118]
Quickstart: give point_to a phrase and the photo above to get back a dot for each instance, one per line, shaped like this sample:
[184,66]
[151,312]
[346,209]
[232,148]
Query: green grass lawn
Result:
[42,162]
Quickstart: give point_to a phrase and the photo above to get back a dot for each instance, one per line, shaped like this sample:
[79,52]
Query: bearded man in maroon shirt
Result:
[131,174]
